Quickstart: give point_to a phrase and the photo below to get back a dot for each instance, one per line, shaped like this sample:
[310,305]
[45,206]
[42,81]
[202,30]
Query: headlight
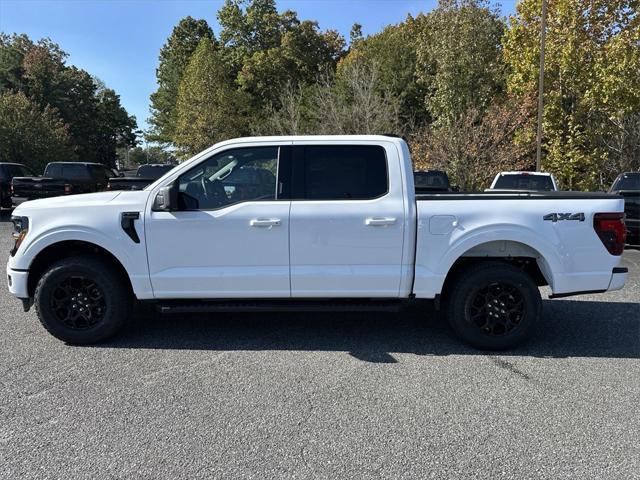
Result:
[20,229]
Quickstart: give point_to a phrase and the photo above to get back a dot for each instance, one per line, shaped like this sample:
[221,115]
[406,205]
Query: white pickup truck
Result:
[317,222]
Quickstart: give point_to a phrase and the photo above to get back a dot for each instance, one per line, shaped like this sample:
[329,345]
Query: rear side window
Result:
[350,172]
[524,182]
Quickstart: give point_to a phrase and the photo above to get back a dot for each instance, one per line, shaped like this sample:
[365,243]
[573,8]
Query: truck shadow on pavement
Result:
[567,329]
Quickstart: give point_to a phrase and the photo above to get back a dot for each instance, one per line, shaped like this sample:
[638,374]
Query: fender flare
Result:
[549,256]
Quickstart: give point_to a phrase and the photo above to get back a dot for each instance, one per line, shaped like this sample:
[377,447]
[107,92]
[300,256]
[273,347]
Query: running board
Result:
[228,306]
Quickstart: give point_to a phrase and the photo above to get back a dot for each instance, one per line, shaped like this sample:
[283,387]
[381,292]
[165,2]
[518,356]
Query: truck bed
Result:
[557,229]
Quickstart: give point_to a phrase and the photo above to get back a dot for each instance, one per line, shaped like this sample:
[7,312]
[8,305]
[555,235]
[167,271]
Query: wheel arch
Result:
[528,258]
[70,248]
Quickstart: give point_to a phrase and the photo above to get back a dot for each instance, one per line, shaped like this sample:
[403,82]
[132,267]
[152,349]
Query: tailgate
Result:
[37,187]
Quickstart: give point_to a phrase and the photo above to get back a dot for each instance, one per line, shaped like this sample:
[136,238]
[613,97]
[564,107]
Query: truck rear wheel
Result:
[81,300]
[494,305]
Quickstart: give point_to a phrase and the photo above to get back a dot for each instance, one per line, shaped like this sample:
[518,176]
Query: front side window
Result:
[232,176]
[349,172]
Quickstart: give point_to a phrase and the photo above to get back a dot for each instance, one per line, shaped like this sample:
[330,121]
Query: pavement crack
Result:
[510,367]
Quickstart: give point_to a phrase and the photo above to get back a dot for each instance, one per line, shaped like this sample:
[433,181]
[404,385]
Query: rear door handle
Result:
[264,222]
[379,221]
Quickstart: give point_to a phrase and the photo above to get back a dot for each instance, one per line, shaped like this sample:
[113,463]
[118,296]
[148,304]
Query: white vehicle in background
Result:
[310,222]
[524,181]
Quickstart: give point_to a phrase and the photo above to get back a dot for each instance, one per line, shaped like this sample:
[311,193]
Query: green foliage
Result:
[592,80]
[391,53]
[209,108]
[267,50]
[29,134]
[250,26]
[303,54]
[174,58]
[459,60]
[351,105]
[92,114]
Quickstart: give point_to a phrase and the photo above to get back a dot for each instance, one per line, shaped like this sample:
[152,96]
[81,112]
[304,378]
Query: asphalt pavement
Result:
[324,396]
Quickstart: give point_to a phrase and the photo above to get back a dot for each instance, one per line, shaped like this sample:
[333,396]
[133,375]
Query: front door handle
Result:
[379,221]
[265,222]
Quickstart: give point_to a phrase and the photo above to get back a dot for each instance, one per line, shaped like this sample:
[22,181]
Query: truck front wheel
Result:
[493,305]
[81,300]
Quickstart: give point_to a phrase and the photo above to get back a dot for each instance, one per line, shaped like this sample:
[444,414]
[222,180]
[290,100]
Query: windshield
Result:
[153,171]
[628,181]
[524,182]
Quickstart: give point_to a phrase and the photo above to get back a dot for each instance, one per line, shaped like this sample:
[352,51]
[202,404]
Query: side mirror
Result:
[166,199]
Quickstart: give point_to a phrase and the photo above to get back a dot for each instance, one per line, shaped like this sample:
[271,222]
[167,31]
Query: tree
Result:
[302,56]
[592,82]
[266,50]
[115,128]
[459,59]
[93,116]
[477,145]
[174,58]
[30,135]
[139,156]
[352,105]
[249,26]
[209,107]
[392,53]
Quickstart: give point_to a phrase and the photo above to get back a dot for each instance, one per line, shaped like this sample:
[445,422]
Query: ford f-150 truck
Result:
[315,222]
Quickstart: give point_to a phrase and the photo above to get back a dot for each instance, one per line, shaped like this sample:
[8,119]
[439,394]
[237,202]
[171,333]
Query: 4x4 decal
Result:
[555,217]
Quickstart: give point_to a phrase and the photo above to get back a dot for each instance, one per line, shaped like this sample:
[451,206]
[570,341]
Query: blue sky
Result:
[119,40]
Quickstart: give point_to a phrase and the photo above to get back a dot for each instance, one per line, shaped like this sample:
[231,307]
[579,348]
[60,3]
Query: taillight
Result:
[611,230]
[11,188]
[67,188]
[108,185]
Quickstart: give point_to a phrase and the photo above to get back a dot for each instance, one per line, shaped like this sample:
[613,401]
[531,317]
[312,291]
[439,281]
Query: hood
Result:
[83,199]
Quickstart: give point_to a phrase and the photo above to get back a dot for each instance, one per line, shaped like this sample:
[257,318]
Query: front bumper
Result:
[17,282]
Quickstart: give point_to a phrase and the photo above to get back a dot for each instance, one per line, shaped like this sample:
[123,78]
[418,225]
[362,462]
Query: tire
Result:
[493,306]
[81,300]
